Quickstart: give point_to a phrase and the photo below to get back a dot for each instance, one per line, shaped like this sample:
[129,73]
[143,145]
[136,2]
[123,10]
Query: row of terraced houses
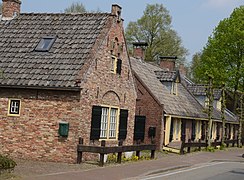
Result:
[65,76]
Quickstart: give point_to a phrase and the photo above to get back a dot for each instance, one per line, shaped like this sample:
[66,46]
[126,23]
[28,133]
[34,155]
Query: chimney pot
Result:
[116,10]
[139,50]
[168,62]
[10,8]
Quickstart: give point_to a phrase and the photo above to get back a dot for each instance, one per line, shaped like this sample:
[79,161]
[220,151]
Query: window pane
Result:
[112,64]
[113,123]
[46,43]
[104,123]
[14,106]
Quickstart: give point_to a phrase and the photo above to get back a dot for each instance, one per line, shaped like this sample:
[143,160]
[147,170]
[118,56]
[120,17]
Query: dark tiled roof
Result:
[183,104]
[166,75]
[197,90]
[200,90]
[75,36]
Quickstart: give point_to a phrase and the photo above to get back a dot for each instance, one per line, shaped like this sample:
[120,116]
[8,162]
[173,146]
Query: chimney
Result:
[182,69]
[116,10]
[168,62]
[139,50]
[10,9]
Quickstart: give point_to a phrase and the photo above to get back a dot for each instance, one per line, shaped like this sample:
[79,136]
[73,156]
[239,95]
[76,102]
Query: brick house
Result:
[65,76]
[166,104]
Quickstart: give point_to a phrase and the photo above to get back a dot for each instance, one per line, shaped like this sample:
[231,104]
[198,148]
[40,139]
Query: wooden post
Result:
[101,163]
[189,148]
[138,154]
[199,148]
[79,153]
[152,154]
[120,153]
[182,146]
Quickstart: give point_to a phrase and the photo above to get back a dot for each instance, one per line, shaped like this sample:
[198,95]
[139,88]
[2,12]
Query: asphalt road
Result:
[210,171]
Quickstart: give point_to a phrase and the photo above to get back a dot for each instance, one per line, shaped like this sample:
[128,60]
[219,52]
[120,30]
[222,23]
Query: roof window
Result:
[45,43]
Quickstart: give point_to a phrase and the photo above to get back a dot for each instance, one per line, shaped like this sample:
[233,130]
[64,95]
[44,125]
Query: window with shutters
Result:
[115,65]
[108,123]
[14,107]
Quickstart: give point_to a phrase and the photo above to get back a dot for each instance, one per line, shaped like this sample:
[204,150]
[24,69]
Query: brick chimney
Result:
[168,62]
[182,69]
[10,8]
[116,10]
[139,50]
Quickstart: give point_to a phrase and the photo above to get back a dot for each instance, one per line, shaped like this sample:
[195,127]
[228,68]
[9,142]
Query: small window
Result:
[14,107]
[113,64]
[116,65]
[45,43]
[174,89]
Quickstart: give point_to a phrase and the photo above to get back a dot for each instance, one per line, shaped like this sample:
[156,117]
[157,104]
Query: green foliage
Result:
[222,146]
[223,54]
[112,158]
[0,8]
[154,27]
[210,149]
[6,163]
[75,8]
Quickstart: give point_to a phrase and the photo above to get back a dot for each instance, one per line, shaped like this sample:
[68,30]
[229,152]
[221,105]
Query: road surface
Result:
[210,171]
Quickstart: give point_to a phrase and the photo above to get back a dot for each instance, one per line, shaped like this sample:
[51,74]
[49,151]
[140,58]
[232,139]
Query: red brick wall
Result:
[168,64]
[147,106]
[9,7]
[34,134]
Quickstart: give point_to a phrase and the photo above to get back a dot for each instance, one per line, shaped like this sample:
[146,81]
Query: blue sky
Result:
[194,20]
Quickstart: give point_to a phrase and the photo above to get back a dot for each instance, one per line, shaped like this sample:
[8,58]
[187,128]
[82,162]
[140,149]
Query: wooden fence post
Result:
[101,163]
[120,153]
[153,151]
[138,154]
[182,146]
[199,148]
[79,153]
[189,148]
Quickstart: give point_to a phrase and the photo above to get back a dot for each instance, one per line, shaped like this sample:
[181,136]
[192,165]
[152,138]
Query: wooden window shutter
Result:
[119,65]
[123,119]
[96,122]
[139,129]
[171,130]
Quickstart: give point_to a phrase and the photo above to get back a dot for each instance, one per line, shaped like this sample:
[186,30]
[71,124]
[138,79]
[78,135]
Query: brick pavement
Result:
[142,168]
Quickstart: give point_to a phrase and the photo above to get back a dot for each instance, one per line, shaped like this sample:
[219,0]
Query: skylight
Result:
[45,43]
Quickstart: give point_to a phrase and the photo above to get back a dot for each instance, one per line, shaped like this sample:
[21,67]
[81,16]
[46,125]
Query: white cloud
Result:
[221,4]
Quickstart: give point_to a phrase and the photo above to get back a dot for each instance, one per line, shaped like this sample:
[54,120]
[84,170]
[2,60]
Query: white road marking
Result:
[177,172]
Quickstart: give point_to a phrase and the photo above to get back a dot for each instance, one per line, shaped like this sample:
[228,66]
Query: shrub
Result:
[6,163]
[210,149]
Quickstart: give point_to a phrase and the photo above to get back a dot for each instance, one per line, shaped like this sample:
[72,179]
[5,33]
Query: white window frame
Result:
[109,123]
[14,107]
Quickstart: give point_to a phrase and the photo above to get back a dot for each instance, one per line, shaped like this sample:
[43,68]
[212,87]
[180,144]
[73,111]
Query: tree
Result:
[195,64]
[222,56]
[75,8]
[154,27]
[0,8]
